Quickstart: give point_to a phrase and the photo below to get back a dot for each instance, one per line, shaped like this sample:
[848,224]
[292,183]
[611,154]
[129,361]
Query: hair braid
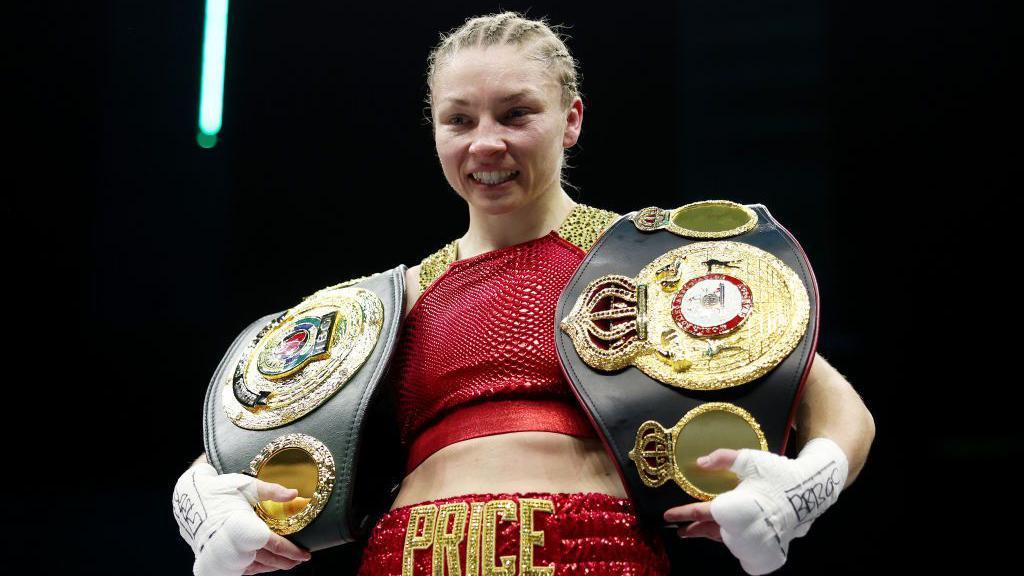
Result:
[543,42]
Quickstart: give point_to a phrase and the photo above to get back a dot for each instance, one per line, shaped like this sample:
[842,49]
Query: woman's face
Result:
[500,127]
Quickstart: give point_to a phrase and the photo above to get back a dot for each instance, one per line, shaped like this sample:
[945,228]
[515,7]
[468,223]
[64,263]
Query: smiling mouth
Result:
[494,178]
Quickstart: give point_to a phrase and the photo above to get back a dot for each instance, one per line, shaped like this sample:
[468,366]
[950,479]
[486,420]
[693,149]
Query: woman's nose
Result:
[488,140]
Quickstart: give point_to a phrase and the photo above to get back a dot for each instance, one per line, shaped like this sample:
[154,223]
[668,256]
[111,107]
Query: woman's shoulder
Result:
[412,285]
[423,274]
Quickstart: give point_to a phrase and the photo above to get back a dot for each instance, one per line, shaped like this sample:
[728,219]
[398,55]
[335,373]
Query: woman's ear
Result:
[573,123]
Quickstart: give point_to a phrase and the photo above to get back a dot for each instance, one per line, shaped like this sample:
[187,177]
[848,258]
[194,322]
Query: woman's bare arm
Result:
[830,407]
[412,287]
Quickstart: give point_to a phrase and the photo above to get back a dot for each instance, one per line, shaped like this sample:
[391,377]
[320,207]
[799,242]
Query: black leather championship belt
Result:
[294,395]
[684,331]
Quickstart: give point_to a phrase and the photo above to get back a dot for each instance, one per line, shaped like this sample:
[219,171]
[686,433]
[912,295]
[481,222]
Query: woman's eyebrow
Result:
[528,93]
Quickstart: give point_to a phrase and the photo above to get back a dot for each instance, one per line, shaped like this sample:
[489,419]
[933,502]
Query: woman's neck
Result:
[490,232]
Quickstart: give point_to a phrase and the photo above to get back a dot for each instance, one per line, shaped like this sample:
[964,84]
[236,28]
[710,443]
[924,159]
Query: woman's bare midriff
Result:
[510,463]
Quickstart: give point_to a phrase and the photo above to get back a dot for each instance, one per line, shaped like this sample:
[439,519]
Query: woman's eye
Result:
[457,120]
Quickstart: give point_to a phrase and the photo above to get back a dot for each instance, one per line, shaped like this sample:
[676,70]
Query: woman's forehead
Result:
[501,72]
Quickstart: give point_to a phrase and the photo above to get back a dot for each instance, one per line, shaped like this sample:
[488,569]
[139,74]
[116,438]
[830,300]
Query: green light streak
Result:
[206,140]
[211,94]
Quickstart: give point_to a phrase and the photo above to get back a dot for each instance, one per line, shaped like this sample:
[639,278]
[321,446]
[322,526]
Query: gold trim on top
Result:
[434,265]
[653,218]
[654,450]
[582,226]
[324,483]
[585,224]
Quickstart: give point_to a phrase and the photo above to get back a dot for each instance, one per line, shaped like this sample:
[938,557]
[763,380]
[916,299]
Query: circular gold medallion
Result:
[661,454]
[708,219]
[702,431]
[711,219]
[294,461]
[299,360]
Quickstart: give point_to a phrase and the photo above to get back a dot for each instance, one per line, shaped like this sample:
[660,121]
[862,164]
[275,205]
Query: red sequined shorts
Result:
[530,534]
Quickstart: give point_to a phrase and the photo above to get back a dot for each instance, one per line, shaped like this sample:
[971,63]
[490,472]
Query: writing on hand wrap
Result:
[189,510]
[812,496]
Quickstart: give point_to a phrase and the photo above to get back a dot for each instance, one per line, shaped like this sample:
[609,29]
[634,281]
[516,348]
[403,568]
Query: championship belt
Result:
[294,395]
[684,331]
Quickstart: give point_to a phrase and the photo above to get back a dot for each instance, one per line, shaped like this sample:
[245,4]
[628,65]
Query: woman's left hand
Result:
[776,500]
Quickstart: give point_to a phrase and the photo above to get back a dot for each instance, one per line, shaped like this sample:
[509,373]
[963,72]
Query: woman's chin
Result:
[496,201]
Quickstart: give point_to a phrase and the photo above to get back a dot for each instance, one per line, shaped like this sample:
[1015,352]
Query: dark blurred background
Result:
[879,133]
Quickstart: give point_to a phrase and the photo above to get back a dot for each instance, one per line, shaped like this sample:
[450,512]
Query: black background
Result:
[879,133]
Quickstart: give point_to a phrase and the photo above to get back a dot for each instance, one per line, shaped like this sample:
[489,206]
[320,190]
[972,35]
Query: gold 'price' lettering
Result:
[441,529]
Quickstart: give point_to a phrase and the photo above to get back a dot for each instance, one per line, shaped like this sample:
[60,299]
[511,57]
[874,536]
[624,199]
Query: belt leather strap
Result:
[619,402]
[365,472]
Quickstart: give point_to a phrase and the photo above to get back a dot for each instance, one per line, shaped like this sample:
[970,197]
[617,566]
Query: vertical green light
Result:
[211,93]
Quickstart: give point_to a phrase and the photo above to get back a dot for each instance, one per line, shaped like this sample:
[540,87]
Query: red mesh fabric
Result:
[592,534]
[484,332]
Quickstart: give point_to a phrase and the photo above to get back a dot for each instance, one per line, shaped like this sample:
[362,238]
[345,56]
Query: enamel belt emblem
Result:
[302,358]
[704,316]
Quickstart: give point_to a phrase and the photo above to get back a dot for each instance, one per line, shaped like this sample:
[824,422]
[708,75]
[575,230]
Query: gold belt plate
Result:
[706,316]
[662,454]
[296,461]
[302,358]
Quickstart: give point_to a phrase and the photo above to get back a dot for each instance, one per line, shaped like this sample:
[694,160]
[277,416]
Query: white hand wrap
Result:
[215,516]
[777,500]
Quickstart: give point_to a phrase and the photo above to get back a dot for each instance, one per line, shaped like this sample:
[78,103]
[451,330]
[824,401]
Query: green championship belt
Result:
[294,397]
[684,331]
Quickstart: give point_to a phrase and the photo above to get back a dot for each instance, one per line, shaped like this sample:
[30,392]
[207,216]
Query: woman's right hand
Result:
[215,516]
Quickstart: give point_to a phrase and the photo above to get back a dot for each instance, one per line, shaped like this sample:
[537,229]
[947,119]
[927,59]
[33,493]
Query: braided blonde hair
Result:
[543,42]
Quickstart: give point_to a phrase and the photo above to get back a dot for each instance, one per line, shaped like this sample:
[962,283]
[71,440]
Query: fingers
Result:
[285,509]
[257,568]
[280,546]
[275,562]
[696,512]
[701,523]
[709,530]
[721,459]
[275,492]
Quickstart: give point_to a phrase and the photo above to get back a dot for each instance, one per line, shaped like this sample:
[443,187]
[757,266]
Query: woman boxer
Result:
[504,473]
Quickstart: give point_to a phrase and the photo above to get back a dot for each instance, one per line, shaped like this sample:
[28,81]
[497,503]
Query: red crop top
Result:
[476,355]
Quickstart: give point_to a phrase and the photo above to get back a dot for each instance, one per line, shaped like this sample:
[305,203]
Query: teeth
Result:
[494,177]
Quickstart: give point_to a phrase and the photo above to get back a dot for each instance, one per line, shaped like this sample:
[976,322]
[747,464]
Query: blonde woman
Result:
[505,475]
